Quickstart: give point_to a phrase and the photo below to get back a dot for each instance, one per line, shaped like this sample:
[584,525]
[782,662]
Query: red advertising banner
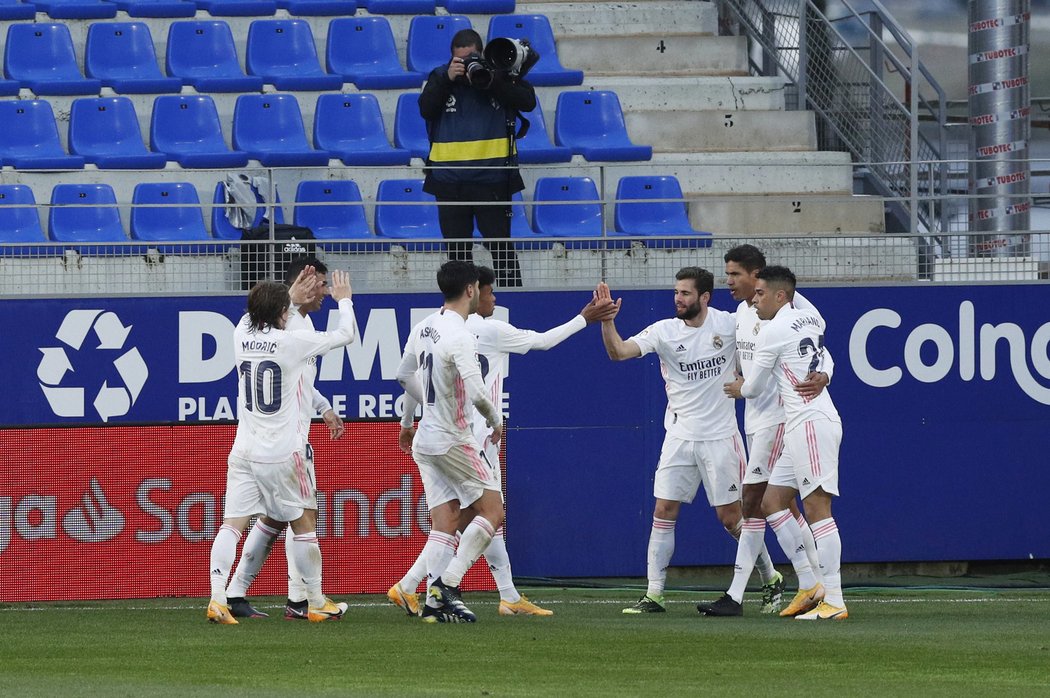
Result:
[130,512]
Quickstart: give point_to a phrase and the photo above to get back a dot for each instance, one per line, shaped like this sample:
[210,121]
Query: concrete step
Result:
[674,93]
[618,17]
[663,53]
[780,214]
[713,131]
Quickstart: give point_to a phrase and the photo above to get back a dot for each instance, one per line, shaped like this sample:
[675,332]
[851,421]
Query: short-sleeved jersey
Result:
[792,345]
[317,402]
[765,410]
[275,385]
[695,363]
[445,352]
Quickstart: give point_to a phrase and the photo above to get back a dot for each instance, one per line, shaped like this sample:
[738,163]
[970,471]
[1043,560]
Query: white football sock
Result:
[307,555]
[747,551]
[223,552]
[661,548]
[829,550]
[256,548]
[499,564]
[811,546]
[439,551]
[763,563]
[476,537]
[410,582]
[789,536]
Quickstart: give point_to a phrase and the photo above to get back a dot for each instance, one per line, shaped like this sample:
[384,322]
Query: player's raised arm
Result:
[615,346]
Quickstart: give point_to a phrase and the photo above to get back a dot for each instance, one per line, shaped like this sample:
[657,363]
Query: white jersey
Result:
[318,403]
[496,341]
[272,388]
[695,362]
[765,410]
[791,345]
[446,352]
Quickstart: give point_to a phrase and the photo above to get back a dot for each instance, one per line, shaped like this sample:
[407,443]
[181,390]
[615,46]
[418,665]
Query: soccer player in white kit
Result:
[697,350]
[444,446]
[764,431]
[261,537]
[496,341]
[789,348]
[267,474]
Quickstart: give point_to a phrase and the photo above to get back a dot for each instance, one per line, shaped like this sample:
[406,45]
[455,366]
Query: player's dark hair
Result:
[702,278]
[486,277]
[453,278]
[779,277]
[300,263]
[267,302]
[466,37]
[748,257]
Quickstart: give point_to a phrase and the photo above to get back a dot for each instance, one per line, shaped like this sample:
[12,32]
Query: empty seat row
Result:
[171,212]
[104,9]
[269,129]
[360,50]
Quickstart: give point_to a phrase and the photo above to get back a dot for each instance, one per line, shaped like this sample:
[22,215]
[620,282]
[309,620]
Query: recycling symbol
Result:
[109,400]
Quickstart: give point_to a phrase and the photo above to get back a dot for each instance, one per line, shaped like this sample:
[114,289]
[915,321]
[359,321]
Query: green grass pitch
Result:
[895,642]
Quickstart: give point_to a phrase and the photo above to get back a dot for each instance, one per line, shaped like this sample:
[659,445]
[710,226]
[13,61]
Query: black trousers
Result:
[493,219]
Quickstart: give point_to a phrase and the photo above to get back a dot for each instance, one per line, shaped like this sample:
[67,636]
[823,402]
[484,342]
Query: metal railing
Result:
[862,76]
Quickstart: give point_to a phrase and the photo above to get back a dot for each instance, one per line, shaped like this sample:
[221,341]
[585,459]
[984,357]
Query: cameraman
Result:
[471,126]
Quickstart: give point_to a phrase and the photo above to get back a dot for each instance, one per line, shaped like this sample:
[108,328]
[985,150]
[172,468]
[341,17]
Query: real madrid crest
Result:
[758,326]
[717,341]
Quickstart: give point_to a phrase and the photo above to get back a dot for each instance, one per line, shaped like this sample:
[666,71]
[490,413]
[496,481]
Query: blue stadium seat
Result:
[238,8]
[29,138]
[158,8]
[410,129]
[591,124]
[548,71]
[85,213]
[76,9]
[270,129]
[204,55]
[337,212]
[121,55]
[362,50]
[282,52]
[169,212]
[350,127]
[429,39]
[402,7]
[318,8]
[648,217]
[187,129]
[536,146]
[20,221]
[12,10]
[222,229]
[479,7]
[9,88]
[105,130]
[414,221]
[41,57]
[579,216]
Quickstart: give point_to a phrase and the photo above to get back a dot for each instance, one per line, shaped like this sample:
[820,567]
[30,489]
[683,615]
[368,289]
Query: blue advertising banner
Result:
[944,394]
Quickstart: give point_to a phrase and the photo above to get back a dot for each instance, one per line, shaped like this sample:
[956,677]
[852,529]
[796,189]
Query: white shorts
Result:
[281,491]
[765,449]
[684,465]
[814,449]
[461,473]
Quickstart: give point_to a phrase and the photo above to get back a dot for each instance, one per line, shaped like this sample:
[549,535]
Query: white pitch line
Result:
[588,602]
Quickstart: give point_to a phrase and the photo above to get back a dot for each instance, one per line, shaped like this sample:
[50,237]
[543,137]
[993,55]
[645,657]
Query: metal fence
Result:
[862,76]
[547,263]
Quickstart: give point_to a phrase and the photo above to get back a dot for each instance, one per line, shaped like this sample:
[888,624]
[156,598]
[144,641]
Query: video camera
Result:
[515,57]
